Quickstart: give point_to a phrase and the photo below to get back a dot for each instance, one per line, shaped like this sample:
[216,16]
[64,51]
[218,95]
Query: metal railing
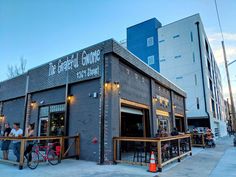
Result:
[137,150]
[69,147]
[198,140]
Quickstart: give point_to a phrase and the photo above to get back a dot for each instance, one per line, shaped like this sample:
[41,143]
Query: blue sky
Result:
[43,30]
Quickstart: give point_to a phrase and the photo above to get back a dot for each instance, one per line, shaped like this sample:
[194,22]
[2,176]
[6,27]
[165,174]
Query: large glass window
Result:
[52,120]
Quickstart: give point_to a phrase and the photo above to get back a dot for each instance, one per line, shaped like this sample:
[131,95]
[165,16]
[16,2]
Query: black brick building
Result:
[99,92]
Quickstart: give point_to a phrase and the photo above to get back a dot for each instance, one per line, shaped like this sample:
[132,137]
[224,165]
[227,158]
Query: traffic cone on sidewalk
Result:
[152,164]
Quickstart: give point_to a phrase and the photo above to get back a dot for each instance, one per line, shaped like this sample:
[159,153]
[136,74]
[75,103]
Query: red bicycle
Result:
[49,153]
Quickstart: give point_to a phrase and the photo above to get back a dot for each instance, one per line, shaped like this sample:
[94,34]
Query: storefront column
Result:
[29,105]
[1,108]
[185,116]
[172,109]
[153,120]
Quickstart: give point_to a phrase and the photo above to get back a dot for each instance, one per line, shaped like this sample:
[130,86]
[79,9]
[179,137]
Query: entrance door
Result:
[43,126]
[179,124]
[57,124]
[134,122]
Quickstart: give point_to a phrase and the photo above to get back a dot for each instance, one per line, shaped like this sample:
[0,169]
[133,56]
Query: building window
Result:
[176,36]
[195,78]
[210,84]
[193,57]
[198,106]
[150,41]
[191,36]
[161,41]
[207,47]
[162,60]
[213,107]
[177,56]
[179,77]
[151,60]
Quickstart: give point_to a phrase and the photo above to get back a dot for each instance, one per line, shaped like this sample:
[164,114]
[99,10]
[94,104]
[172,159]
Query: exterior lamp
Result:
[155,99]
[2,118]
[33,103]
[174,106]
[69,97]
[106,83]
[117,84]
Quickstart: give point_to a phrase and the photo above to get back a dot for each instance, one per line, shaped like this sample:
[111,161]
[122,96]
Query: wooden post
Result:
[179,149]
[61,141]
[159,156]
[22,150]
[114,151]
[77,147]
[203,141]
[190,145]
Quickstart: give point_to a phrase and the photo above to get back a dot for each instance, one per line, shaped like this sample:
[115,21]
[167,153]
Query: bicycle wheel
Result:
[33,160]
[53,158]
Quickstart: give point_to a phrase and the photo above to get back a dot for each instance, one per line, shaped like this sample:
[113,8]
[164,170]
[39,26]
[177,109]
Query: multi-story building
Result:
[186,58]
[142,40]
[99,92]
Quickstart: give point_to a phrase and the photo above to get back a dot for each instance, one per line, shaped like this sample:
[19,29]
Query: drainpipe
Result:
[203,82]
[102,81]
[66,120]
[26,104]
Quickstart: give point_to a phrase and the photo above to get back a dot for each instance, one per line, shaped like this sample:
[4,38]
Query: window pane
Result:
[57,108]
[43,112]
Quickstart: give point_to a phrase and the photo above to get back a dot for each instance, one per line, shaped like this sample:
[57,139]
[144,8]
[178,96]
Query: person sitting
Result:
[209,137]
[174,132]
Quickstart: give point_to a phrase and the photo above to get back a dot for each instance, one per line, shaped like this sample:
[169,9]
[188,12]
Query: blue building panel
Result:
[142,40]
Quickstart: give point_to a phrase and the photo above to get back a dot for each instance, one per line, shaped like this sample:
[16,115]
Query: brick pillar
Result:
[1,107]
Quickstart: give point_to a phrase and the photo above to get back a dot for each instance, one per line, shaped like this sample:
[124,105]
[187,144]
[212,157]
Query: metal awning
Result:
[131,110]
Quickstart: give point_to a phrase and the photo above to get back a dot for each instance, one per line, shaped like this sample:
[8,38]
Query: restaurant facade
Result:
[100,92]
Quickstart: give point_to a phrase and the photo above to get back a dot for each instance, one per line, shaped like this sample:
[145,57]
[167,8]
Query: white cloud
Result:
[217,37]
[230,46]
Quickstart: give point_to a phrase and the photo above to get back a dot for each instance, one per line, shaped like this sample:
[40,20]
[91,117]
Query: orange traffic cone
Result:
[152,164]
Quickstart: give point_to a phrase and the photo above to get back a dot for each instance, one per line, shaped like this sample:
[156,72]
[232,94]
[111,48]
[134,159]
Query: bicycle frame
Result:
[44,152]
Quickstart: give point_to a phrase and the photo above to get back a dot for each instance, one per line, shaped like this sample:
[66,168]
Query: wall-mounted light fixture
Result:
[155,98]
[2,118]
[117,84]
[33,103]
[107,83]
[174,106]
[69,97]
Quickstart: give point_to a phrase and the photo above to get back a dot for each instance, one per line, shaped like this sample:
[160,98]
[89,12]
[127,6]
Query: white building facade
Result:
[186,59]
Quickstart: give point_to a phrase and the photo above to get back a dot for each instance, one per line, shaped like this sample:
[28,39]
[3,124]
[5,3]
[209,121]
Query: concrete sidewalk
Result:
[218,162]
[211,162]
[227,165]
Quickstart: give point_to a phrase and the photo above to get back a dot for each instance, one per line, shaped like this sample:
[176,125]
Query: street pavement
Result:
[209,162]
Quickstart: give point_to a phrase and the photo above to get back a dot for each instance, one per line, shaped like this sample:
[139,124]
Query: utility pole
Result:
[230,89]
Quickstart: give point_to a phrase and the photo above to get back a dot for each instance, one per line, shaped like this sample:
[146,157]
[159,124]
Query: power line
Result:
[218,17]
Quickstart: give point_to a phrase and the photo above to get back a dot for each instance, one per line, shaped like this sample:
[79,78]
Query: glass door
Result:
[43,126]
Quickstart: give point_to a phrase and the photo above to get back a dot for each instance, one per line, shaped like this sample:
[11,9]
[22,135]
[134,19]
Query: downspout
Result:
[203,82]
[101,160]
[26,106]
[67,104]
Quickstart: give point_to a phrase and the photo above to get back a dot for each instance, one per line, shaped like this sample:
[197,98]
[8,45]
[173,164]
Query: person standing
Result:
[6,143]
[29,133]
[16,132]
